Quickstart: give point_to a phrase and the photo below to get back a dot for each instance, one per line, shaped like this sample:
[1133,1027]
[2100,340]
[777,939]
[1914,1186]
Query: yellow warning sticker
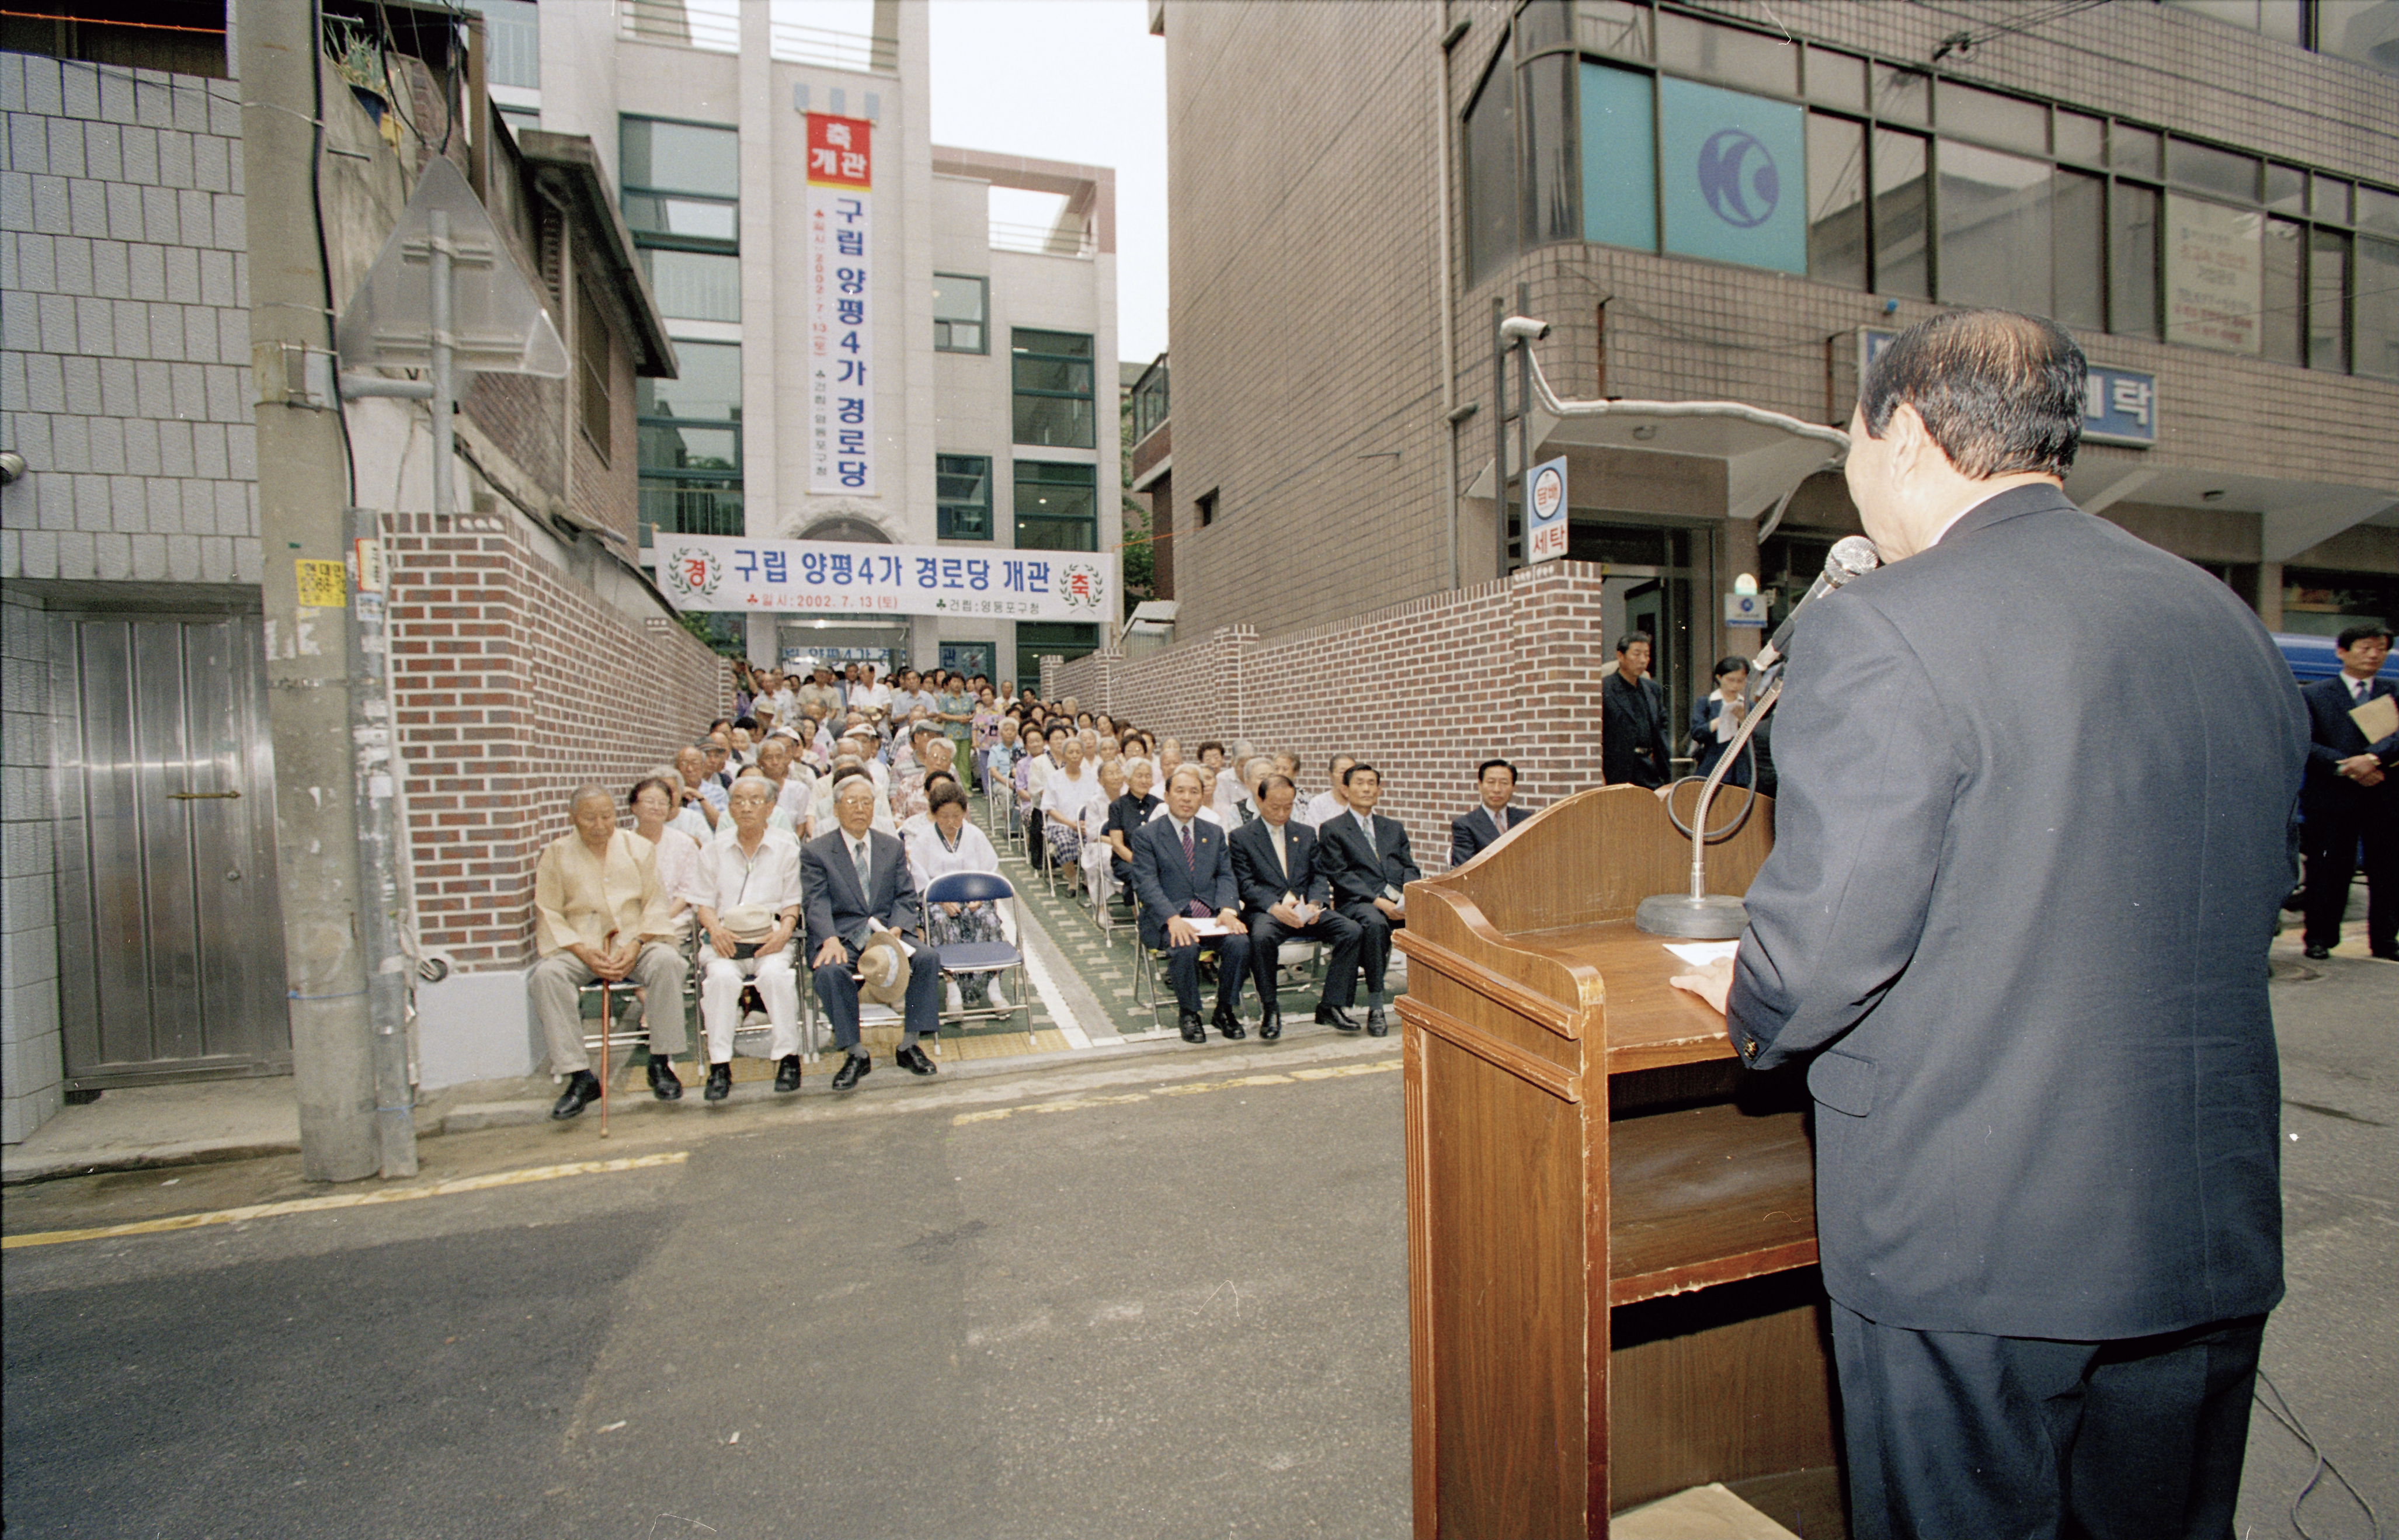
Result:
[324,585]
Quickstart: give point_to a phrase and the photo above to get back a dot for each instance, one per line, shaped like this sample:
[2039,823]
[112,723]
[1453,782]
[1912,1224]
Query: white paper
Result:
[1700,953]
[1209,927]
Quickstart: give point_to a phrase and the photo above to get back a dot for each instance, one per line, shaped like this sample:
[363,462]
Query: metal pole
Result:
[445,449]
[303,489]
[1445,273]
[1523,406]
[383,910]
[1499,437]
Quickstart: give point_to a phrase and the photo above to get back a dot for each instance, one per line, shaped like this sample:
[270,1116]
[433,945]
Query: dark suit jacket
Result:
[835,907]
[1707,751]
[1167,885]
[1471,831]
[1358,873]
[2016,915]
[2332,737]
[1261,883]
[1629,720]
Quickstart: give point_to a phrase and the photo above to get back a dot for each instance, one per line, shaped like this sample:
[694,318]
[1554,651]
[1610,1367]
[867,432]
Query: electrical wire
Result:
[2279,1408]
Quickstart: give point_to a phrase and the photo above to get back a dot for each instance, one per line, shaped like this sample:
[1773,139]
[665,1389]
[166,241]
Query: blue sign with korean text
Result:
[2120,406]
[1734,175]
[724,573]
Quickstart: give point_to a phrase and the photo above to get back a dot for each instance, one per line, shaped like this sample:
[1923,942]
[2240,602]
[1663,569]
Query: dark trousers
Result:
[1182,970]
[1375,929]
[922,1011]
[2333,834]
[1954,1435]
[1337,931]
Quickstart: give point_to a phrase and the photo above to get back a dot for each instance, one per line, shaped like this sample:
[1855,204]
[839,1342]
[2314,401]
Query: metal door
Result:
[170,934]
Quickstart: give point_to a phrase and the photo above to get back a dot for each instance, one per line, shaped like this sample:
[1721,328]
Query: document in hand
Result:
[1211,927]
[2378,718]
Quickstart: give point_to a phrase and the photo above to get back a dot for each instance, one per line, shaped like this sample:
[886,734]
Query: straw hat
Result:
[883,970]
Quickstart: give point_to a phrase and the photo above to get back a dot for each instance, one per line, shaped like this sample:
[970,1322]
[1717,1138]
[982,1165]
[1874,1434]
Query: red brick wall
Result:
[514,685]
[520,414]
[1423,691]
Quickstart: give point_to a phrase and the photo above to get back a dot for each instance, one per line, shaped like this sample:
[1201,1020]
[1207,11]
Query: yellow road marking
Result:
[350,1200]
[1077,1103]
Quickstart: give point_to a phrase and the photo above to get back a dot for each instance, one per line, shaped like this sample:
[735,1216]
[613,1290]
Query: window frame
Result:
[593,392]
[941,325]
[680,480]
[944,528]
[1017,392]
[1018,482]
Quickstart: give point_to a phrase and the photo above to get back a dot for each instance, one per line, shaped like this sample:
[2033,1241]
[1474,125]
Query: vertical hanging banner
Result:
[841,304]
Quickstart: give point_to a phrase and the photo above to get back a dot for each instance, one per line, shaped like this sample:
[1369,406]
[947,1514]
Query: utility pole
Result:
[302,495]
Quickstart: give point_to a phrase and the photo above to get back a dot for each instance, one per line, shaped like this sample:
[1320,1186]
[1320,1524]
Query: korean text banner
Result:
[824,577]
[842,297]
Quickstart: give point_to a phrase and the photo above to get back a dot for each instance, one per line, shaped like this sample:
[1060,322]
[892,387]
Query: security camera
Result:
[1524,329]
[12,465]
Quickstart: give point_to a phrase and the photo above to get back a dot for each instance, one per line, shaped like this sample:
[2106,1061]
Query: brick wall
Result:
[516,686]
[1424,691]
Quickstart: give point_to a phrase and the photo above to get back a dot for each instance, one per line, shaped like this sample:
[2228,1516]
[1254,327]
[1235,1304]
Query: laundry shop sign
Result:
[2120,406]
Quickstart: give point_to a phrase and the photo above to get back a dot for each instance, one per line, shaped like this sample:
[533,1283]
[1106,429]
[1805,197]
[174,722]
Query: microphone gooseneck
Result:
[1851,555]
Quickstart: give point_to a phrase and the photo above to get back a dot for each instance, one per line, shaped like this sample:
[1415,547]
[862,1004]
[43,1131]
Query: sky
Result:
[1078,80]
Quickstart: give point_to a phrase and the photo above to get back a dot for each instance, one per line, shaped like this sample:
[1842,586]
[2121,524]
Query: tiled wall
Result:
[30,1066]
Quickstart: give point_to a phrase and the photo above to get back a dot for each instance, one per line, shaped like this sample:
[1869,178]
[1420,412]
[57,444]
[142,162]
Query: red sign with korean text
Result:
[840,152]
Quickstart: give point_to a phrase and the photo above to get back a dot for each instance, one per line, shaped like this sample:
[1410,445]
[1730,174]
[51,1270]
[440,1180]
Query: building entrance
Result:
[1649,587]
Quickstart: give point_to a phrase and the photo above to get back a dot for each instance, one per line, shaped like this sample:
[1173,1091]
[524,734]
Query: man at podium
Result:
[2015,921]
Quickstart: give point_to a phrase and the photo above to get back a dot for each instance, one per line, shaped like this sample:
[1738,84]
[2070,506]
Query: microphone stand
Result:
[1700,916]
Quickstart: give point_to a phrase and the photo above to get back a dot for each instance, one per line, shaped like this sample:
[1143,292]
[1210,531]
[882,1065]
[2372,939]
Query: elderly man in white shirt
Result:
[747,897]
[1331,801]
[869,699]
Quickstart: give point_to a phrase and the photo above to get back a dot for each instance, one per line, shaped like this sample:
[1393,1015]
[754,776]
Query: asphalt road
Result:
[1146,1300]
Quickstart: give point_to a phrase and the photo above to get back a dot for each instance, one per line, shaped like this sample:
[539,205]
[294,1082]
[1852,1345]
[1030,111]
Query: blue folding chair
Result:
[960,958]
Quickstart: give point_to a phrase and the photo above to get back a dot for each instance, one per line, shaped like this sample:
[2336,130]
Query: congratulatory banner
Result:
[728,573]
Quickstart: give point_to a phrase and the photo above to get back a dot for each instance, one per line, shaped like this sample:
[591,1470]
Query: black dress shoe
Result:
[582,1089]
[787,1073]
[853,1070]
[1192,1031]
[2315,953]
[1229,1023]
[914,1059]
[664,1082]
[1337,1017]
[1377,1024]
[2386,954]
[1271,1027]
[720,1083]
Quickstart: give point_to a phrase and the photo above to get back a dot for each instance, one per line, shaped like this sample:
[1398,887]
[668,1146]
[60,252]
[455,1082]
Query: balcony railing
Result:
[793,44]
[679,25]
[1066,238]
[714,26]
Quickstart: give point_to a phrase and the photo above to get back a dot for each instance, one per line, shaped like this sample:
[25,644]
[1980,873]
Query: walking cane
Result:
[603,1058]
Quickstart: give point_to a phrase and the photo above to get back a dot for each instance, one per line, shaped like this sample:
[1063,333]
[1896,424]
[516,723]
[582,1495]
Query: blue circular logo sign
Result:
[1738,178]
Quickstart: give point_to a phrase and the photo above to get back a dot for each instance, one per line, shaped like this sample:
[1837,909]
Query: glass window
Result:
[1491,173]
[2081,138]
[694,286]
[592,371]
[1758,62]
[680,446]
[2331,199]
[2133,261]
[689,442]
[1039,639]
[2375,311]
[2359,31]
[1621,27]
[2286,189]
[961,312]
[2327,294]
[2138,151]
[511,42]
[1902,96]
[687,218]
[1836,200]
[2282,320]
[2079,216]
[681,157]
[1057,506]
[2006,121]
[2205,169]
[1551,191]
[1902,264]
[1836,79]
[2279,20]
[2213,257]
[1544,25]
[706,386]
[2378,211]
[962,496]
[697,506]
[1732,179]
[1995,229]
[1619,160]
[1052,378]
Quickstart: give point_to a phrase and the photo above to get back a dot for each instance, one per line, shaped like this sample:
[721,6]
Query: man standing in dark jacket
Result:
[2015,923]
[1633,718]
[2352,799]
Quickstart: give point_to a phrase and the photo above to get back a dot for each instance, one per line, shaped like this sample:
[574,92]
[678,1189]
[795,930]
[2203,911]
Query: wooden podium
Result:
[1611,1224]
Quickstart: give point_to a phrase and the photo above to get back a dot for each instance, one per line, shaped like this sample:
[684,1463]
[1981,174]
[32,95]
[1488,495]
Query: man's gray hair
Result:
[588,790]
[1187,768]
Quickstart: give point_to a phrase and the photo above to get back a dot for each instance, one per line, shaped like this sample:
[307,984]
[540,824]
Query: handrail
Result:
[1048,241]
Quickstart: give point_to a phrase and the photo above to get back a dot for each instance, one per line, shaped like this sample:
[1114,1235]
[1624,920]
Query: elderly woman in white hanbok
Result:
[950,844]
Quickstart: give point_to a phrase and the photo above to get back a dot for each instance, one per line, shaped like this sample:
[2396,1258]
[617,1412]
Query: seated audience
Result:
[949,842]
[1335,798]
[600,912]
[1183,872]
[748,892]
[1370,864]
[1286,896]
[1072,786]
[1128,814]
[1097,854]
[702,794]
[653,802]
[858,883]
[794,789]
[1494,782]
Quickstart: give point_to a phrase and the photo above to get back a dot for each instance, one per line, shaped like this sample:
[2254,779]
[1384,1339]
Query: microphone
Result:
[1850,556]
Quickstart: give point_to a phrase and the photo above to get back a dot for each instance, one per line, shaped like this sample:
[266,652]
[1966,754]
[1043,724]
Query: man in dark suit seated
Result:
[2351,797]
[2014,925]
[857,882]
[1633,718]
[1285,896]
[1368,862]
[1182,873]
[1470,832]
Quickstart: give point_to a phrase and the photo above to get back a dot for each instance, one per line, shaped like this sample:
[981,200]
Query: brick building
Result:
[1720,200]
[145,941]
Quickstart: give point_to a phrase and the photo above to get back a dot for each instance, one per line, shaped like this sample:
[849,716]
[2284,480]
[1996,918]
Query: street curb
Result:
[18,1172]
